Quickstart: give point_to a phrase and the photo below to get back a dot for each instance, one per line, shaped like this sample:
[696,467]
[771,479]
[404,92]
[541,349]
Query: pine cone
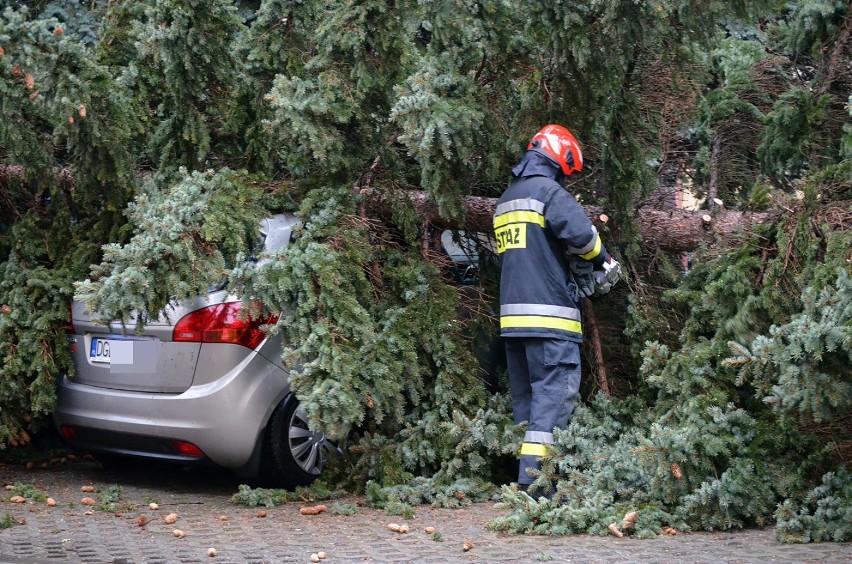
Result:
[629,519]
[613,528]
[676,471]
[315,510]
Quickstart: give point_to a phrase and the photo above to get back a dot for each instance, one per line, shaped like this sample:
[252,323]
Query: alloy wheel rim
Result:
[309,448]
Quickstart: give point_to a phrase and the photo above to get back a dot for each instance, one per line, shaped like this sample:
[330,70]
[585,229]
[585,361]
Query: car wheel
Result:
[297,453]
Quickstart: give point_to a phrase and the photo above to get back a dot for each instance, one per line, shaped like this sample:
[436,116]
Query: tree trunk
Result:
[673,230]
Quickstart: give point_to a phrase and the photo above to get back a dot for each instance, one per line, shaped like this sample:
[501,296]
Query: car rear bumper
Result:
[224,418]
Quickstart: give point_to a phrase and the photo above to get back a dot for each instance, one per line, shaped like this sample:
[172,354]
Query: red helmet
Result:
[557,143]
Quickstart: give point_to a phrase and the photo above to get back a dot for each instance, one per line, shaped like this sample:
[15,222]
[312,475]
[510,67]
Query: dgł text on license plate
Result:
[99,352]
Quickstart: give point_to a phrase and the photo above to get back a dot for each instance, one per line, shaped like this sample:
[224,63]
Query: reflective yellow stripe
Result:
[594,252]
[518,217]
[533,449]
[532,321]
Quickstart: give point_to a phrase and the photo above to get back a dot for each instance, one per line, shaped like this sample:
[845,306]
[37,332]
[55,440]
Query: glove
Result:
[583,274]
[607,278]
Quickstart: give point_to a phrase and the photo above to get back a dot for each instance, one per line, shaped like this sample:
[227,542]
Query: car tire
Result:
[297,454]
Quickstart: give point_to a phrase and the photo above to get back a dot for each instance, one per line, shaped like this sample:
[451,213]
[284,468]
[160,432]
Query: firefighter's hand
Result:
[607,278]
[582,271]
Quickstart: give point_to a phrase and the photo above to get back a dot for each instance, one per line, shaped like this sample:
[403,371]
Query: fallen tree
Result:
[674,230]
[667,228]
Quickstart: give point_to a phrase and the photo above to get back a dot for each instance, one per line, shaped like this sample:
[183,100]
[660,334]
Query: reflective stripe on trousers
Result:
[544,375]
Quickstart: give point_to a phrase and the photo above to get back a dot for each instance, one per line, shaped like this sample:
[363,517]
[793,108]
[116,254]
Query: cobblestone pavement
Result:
[73,532]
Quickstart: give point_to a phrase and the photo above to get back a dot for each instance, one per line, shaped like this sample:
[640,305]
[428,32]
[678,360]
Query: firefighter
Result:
[550,255]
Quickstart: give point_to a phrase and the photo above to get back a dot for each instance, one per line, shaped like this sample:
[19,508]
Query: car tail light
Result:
[68,432]
[221,323]
[187,449]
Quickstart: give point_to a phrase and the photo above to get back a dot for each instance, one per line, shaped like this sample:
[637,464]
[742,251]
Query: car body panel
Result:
[159,365]
[171,371]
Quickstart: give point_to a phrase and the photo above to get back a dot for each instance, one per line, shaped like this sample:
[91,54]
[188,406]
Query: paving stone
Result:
[66,534]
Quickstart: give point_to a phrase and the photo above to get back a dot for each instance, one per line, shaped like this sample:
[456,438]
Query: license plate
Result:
[109,351]
[99,352]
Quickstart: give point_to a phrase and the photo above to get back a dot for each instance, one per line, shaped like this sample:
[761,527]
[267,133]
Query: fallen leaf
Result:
[613,528]
[51,502]
[87,501]
[393,527]
[178,533]
[153,506]
[17,499]
[429,530]
[467,545]
[211,552]
[171,518]
[88,489]
[315,557]
[142,520]
[261,514]
[321,555]
[223,517]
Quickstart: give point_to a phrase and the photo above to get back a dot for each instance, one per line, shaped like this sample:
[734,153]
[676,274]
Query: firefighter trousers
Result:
[544,375]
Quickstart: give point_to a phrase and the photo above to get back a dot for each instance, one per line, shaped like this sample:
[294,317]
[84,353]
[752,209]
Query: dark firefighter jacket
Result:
[535,222]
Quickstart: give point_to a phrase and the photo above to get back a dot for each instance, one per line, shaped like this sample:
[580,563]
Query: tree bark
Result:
[598,363]
[672,230]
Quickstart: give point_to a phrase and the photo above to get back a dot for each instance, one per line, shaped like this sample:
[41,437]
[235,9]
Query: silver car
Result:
[198,385]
